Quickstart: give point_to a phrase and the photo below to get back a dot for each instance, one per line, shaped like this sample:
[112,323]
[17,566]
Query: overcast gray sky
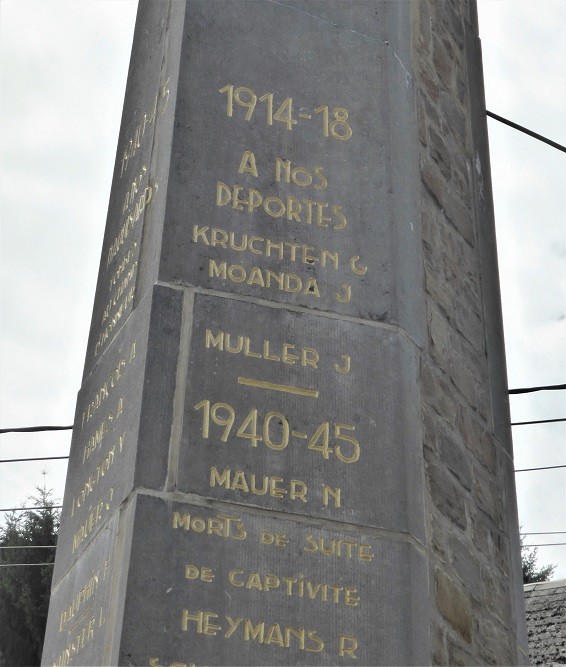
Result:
[63,68]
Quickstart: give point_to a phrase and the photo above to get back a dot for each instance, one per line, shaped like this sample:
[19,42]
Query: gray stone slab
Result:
[271,418]
[79,605]
[122,423]
[214,587]
[291,178]
[137,202]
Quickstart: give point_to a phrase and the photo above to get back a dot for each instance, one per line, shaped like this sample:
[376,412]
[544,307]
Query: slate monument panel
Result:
[295,412]
[290,172]
[239,588]
[120,416]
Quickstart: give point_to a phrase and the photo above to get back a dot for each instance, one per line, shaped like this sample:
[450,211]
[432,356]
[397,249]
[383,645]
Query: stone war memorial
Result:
[291,444]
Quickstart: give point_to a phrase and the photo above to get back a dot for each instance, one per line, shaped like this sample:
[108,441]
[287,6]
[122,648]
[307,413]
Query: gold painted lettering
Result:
[345,368]
[347,646]
[247,164]
[358,269]
[233,623]
[202,619]
[346,296]
[193,572]
[335,494]
[277,539]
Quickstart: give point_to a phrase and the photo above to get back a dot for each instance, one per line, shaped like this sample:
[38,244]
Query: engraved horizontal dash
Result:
[305,115]
[297,434]
[289,389]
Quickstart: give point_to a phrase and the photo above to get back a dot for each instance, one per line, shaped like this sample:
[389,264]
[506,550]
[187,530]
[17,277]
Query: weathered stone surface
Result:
[466,565]
[122,423]
[298,413]
[329,204]
[455,459]
[241,588]
[137,200]
[446,494]
[307,458]
[459,657]
[455,606]
[77,625]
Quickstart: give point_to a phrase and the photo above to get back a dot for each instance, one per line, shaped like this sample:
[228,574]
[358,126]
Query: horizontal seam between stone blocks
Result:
[296,309]
[319,522]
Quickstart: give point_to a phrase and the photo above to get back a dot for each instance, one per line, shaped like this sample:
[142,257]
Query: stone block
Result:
[446,494]
[465,382]
[122,422]
[466,565]
[435,392]
[469,324]
[459,657]
[440,153]
[313,206]
[494,643]
[454,606]
[476,438]
[487,496]
[442,60]
[237,587]
[128,265]
[454,458]
[439,653]
[439,337]
[305,414]
[77,626]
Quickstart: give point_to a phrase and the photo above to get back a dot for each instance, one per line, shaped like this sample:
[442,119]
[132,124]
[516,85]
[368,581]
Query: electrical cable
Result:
[539,421]
[526,131]
[24,564]
[528,390]
[544,468]
[39,458]
[26,509]
[548,532]
[32,546]
[34,429]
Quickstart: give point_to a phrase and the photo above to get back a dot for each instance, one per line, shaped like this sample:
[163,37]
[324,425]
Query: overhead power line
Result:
[32,546]
[39,458]
[25,509]
[548,387]
[544,468]
[35,429]
[539,421]
[548,532]
[24,564]
[526,131]
[522,390]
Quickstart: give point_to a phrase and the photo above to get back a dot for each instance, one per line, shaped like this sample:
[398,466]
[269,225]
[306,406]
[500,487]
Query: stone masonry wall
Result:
[471,517]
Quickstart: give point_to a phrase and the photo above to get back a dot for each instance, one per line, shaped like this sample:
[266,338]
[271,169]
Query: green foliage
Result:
[25,589]
[531,573]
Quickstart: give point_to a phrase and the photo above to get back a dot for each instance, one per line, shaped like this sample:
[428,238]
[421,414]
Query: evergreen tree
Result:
[531,573]
[25,585]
